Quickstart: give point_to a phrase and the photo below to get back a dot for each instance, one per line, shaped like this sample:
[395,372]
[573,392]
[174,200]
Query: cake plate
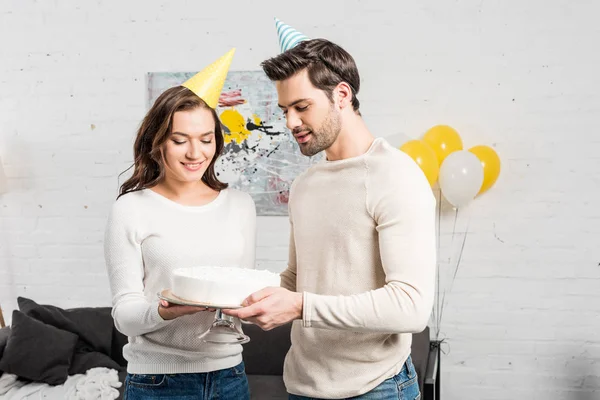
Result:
[224,329]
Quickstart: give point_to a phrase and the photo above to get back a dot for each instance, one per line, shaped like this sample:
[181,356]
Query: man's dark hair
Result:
[327,64]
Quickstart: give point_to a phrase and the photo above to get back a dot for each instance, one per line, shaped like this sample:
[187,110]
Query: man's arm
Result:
[403,208]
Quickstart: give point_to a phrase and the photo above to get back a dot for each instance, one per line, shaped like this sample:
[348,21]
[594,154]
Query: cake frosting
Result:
[220,285]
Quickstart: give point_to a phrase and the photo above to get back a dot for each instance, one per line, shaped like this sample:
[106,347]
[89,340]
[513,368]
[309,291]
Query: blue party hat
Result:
[288,36]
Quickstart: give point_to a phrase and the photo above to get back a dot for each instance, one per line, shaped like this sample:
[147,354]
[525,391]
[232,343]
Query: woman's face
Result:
[191,145]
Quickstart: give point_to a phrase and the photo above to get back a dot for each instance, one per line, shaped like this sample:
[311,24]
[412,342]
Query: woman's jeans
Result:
[225,384]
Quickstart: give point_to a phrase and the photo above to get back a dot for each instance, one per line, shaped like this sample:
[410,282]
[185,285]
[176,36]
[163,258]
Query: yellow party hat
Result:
[208,83]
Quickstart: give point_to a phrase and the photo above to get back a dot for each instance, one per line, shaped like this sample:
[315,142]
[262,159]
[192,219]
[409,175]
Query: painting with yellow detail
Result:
[261,157]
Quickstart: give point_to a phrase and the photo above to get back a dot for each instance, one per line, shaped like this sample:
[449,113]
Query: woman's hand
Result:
[169,311]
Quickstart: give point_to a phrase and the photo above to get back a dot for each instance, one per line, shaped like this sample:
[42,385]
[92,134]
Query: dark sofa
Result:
[47,343]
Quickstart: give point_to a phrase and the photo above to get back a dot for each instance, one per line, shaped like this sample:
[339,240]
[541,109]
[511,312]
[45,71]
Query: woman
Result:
[174,212]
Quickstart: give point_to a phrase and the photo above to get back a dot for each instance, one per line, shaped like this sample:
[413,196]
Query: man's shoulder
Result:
[393,172]
[387,160]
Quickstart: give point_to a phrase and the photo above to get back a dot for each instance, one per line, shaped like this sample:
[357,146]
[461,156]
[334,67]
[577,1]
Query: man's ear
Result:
[343,92]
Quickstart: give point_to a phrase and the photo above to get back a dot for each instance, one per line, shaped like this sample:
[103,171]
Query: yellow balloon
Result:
[443,140]
[425,157]
[491,165]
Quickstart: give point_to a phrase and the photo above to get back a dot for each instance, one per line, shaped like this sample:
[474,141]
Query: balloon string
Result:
[453,231]
[462,247]
[437,316]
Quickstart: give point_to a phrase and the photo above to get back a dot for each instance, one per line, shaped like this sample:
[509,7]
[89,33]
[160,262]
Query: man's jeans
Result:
[225,384]
[403,386]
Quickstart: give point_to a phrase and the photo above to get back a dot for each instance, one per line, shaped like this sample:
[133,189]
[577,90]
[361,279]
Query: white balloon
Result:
[461,177]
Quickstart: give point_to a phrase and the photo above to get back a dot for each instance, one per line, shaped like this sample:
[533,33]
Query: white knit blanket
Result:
[96,384]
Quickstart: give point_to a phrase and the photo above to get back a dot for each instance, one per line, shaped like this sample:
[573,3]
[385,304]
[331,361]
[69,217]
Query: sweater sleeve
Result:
[133,314]
[288,276]
[403,207]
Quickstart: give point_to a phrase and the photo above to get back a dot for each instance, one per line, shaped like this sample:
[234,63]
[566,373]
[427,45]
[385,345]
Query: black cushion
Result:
[37,351]
[83,361]
[265,353]
[93,325]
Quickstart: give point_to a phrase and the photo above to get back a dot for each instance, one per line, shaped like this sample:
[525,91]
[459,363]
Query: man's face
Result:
[313,119]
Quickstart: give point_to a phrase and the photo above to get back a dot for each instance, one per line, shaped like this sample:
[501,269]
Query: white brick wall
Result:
[523,319]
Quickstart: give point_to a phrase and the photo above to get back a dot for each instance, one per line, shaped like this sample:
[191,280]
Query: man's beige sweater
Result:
[363,252]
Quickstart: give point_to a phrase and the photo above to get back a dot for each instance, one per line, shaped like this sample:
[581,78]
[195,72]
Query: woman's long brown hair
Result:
[148,166]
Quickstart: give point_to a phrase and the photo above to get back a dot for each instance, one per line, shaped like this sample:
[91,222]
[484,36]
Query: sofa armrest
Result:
[432,376]
[432,364]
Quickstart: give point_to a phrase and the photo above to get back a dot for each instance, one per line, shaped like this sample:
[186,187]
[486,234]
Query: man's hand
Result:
[270,307]
[169,311]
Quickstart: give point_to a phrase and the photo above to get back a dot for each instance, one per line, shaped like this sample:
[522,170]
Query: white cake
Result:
[220,285]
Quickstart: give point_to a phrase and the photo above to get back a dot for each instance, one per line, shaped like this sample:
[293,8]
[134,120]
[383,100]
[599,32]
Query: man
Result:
[360,278]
